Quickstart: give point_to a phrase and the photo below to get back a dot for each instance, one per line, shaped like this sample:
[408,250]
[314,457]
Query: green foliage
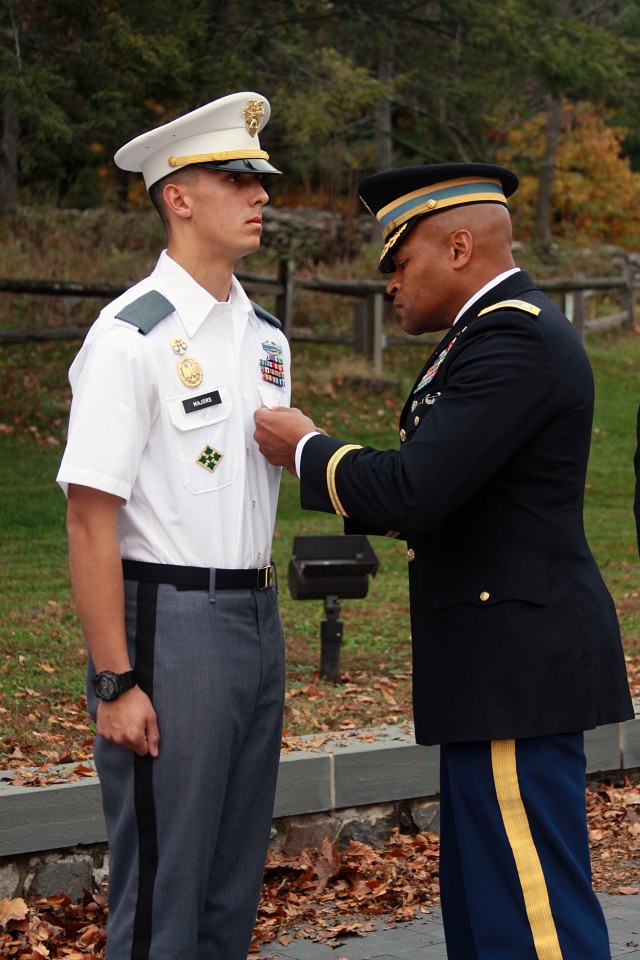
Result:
[86,76]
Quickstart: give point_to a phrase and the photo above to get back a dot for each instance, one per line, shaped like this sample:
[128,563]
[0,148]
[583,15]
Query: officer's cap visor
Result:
[255,165]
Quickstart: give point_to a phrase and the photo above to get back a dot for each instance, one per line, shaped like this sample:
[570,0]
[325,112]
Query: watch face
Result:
[105,686]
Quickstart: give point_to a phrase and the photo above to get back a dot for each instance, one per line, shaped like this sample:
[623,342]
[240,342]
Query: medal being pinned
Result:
[271,366]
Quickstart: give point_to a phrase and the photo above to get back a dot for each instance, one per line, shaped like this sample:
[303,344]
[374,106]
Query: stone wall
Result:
[359,785]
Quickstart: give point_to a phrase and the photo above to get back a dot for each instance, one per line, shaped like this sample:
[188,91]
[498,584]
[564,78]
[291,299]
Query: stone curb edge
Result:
[358,769]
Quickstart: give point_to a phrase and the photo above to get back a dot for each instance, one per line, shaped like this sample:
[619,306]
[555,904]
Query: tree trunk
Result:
[384,143]
[542,227]
[9,159]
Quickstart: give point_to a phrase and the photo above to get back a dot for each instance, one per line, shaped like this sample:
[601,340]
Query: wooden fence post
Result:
[579,312]
[628,294]
[284,300]
[376,302]
[362,328]
[368,335]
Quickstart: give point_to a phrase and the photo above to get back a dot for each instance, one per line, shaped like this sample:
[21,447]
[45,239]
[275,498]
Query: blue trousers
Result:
[188,831]
[515,872]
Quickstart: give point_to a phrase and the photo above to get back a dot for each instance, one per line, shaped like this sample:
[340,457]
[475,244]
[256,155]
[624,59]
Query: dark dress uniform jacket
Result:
[514,632]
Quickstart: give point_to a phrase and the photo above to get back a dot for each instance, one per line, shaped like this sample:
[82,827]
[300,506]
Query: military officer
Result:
[171,509]
[516,645]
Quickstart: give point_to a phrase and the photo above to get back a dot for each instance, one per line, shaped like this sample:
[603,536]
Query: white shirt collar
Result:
[485,289]
[192,302]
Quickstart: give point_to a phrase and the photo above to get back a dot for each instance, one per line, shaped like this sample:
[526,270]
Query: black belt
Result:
[199,578]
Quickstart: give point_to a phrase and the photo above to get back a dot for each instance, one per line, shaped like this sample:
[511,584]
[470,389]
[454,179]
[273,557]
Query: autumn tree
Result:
[355,85]
[595,195]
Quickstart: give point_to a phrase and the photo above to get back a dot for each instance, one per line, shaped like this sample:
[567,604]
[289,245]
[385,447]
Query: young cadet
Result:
[171,509]
[516,645]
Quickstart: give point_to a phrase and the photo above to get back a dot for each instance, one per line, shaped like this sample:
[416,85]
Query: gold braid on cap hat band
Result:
[221,156]
[433,205]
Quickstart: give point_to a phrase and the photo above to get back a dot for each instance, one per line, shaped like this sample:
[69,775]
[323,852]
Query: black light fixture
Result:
[331,568]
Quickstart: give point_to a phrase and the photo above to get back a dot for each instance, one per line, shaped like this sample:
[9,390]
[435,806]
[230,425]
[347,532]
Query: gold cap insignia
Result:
[253,114]
[190,372]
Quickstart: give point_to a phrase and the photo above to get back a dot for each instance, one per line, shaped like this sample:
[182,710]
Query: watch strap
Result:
[121,682]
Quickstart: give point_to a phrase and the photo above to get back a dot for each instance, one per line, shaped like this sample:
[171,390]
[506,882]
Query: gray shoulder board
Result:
[145,312]
[265,315]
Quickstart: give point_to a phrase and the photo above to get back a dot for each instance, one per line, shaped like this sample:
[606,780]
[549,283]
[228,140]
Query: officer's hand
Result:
[130,721]
[278,432]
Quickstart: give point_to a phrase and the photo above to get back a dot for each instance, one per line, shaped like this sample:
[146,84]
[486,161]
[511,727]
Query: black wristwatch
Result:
[108,685]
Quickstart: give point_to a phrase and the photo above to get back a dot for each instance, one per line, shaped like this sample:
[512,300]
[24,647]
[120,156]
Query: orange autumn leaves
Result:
[596,194]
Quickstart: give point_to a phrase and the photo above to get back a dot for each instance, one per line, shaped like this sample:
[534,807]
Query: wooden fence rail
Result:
[370,295]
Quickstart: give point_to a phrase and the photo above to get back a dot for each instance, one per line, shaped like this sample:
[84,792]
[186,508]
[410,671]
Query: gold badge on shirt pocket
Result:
[190,372]
[209,458]
[179,345]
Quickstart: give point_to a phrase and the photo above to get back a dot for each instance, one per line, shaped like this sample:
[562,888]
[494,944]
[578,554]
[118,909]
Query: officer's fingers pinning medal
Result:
[277,433]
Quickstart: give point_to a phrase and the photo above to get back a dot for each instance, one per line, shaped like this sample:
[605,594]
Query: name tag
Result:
[192,404]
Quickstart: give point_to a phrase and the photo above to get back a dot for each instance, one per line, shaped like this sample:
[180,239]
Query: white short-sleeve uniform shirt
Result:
[165,421]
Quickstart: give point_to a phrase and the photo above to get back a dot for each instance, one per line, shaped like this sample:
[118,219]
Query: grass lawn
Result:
[41,647]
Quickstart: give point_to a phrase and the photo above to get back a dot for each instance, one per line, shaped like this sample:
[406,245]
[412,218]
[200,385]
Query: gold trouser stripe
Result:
[516,823]
[331,476]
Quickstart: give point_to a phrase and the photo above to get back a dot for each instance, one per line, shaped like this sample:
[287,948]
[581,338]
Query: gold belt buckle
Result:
[265,576]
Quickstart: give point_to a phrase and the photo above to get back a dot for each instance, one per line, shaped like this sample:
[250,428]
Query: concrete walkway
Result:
[423,939]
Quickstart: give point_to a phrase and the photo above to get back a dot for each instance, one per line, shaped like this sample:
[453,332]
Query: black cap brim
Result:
[255,165]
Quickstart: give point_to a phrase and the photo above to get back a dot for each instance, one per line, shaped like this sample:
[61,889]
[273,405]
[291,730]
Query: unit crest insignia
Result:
[179,345]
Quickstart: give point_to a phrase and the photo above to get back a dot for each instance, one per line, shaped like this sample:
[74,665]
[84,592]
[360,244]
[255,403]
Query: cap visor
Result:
[386,264]
[240,166]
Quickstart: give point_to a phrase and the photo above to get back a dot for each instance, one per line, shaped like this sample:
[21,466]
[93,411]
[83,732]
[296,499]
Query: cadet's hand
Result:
[130,721]
[278,432]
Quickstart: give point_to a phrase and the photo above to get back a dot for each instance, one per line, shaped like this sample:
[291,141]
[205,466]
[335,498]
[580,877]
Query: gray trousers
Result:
[188,831]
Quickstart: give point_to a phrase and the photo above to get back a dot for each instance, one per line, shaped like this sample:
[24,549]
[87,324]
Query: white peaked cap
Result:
[222,135]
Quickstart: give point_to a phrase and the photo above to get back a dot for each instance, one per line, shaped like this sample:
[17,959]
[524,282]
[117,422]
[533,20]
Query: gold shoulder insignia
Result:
[511,305]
